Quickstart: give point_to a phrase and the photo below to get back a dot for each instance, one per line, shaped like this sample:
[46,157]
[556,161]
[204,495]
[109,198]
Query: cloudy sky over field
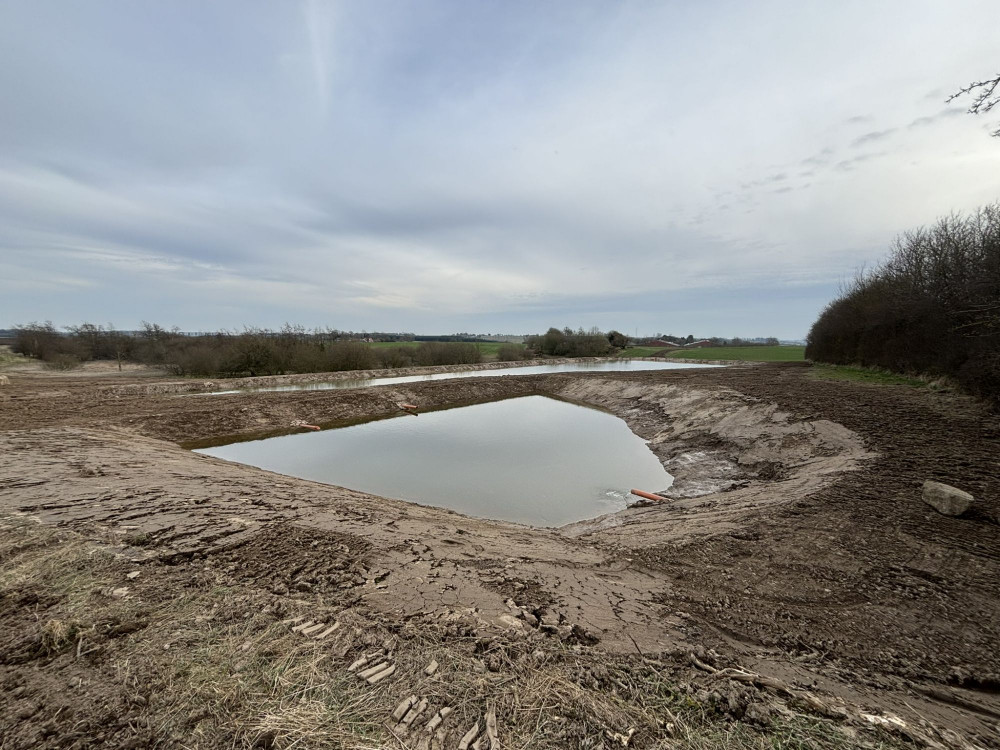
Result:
[685,167]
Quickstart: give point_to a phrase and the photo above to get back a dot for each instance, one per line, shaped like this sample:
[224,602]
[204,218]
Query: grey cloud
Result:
[431,167]
[818,159]
[876,135]
[929,120]
[848,164]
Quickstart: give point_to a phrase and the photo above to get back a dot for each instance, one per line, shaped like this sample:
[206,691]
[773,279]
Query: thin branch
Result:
[985,97]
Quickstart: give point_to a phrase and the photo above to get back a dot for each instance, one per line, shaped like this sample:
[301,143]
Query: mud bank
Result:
[726,452]
[793,545]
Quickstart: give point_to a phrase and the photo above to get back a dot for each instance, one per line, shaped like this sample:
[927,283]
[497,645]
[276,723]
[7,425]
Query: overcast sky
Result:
[715,168]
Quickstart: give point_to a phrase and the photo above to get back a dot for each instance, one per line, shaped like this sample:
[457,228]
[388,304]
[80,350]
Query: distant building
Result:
[698,344]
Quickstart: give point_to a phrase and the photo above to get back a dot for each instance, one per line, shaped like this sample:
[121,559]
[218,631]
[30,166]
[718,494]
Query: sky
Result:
[707,168]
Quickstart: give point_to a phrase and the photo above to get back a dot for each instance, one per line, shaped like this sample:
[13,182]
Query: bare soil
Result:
[794,575]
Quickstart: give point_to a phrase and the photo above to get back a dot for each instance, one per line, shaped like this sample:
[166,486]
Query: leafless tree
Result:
[984,97]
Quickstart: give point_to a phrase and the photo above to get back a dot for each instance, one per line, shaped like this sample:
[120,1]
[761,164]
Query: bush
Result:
[39,340]
[932,307]
[512,353]
[438,353]
[566,343]
[253,352]
[63,362]
[394,356]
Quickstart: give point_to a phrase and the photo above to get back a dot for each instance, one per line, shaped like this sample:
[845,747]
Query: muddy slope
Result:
[796,543]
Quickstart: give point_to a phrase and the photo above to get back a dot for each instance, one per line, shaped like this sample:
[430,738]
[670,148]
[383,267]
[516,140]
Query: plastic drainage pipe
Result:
[648,495]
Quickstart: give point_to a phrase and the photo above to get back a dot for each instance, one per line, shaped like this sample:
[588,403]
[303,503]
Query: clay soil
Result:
[793,591]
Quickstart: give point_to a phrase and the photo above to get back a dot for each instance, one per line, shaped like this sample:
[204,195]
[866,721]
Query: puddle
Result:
[534,460]
[621,365]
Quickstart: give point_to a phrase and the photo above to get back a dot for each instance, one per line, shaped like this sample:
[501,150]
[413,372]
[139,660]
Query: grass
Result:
[211,663]
[640,351]
[736,353]
[864,375]
[9,359]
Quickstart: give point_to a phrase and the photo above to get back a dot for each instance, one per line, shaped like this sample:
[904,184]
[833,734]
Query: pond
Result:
[534,460]
[620,365]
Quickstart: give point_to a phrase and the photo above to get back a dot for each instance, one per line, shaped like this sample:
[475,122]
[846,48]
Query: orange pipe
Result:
[648,495]
[310,426]
[408,406]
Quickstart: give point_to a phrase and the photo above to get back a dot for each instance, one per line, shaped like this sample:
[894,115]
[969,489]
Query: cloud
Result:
[819,159]
[872,137]
[442,166]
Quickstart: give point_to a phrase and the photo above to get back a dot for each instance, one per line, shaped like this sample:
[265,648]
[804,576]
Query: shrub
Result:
[62,362]
[566,343]
[932,307]
[512,353]
[439,353]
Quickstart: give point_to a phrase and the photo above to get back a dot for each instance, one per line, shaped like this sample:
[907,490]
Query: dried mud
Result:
[794,543]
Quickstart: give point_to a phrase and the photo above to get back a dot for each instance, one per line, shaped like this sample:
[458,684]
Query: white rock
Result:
[946,499]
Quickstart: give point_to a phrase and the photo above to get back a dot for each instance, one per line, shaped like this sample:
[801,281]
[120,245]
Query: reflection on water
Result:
[620,365]
[532,460]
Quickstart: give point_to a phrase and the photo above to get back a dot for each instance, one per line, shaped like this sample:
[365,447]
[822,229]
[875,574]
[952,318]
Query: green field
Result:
[487,348]
[740,353]
[640,351]
[864,375]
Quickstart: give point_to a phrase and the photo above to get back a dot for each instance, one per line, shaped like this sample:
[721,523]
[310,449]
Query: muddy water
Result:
[621,365]
[533,460]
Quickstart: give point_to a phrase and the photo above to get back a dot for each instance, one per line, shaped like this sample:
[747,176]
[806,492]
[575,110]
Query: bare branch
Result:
[985,97]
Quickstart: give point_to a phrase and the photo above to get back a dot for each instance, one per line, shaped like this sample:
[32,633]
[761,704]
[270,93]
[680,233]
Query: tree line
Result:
[292,349]
[579,343]
[252,352]
[931,307]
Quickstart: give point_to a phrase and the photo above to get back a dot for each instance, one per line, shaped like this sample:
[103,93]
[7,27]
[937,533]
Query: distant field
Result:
[639,351]
[488,348]
[744,353]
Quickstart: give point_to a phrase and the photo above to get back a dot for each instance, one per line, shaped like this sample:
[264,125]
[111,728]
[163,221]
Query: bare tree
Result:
[984,97]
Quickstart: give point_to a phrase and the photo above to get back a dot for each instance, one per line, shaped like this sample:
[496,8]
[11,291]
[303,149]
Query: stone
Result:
[4,380]
[511,622]
[758,713]
[945,499]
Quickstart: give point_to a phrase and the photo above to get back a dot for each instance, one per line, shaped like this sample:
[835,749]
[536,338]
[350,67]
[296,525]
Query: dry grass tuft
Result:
[58,635]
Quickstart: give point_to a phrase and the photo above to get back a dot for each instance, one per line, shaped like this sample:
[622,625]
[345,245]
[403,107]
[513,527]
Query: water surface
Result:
[620,365]
[533,460]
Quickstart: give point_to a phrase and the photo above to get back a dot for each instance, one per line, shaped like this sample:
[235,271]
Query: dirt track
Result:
[818,565]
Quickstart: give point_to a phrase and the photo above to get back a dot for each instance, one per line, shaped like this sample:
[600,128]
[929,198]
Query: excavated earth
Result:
[794,543]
